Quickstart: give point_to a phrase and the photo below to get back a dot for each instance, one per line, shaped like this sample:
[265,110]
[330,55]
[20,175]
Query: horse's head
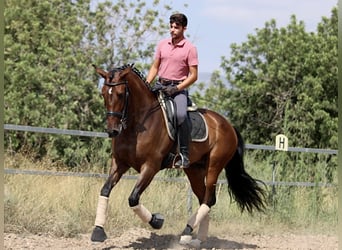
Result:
[115,94]
[125,87]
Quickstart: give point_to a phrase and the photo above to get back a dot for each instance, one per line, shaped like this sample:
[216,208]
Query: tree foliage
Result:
[49,80]
[283,80]
[213,96]
[126,32]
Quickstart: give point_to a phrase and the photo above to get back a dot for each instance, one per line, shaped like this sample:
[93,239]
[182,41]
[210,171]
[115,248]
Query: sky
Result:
[215,24]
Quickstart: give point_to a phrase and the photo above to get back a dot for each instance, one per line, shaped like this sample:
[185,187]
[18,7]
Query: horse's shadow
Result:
[162,242]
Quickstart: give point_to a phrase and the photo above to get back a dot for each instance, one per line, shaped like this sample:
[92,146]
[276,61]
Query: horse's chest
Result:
[130,150]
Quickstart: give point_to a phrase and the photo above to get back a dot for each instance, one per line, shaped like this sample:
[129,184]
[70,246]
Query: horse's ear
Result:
[101,72]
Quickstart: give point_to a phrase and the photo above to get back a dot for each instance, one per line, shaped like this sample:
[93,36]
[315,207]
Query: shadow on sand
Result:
[162,242]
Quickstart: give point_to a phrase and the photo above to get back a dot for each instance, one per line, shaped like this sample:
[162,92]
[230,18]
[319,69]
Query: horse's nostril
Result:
[112,133]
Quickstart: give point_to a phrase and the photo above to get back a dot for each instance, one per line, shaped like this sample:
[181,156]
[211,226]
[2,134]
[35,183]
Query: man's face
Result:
[176,30]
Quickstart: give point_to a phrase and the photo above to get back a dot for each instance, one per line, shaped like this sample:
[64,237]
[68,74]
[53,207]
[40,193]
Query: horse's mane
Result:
[134,69]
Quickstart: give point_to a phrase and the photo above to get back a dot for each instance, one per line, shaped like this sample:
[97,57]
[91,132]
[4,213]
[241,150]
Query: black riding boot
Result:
[184,139]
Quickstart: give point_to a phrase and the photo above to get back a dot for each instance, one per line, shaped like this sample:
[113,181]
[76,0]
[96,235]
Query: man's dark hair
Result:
[179,19]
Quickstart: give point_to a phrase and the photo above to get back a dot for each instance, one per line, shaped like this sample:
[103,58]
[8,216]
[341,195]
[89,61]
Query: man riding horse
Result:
[133,117]
[176,64]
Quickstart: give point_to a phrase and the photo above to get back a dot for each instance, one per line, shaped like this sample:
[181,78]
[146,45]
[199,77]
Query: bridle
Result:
[123,114]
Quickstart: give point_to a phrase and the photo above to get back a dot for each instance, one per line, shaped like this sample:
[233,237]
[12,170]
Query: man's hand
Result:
[156,87]
[170,90]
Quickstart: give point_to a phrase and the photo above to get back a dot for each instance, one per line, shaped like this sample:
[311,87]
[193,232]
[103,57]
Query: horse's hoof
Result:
[98,234]
[157,221]
[196,243]
[185,239]
[187,230]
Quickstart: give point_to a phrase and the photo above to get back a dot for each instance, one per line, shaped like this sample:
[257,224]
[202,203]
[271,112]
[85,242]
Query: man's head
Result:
[179,19]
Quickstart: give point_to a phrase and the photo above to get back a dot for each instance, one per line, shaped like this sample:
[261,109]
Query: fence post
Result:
[273,163]
[189,201]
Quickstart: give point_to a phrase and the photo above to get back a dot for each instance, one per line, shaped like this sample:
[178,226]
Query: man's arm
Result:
[193,75]
[153,71]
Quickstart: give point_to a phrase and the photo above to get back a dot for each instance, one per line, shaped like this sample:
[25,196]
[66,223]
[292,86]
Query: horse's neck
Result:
[144,118]
[142,102]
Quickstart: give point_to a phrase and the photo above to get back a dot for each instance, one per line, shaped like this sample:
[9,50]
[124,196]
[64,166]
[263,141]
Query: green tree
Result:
[46,77]
[284,80]
[213,96]
[49,80]
[126,32]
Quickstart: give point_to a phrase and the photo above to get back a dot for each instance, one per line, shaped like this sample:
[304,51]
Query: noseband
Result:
[121,115]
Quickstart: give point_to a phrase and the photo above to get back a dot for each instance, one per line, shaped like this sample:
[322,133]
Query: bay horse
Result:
[140,140]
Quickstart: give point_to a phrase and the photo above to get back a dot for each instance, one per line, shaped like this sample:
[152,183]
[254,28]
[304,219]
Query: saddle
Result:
[198,125]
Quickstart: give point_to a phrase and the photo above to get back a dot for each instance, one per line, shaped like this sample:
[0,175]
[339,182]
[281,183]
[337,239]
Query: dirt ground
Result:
[140,238]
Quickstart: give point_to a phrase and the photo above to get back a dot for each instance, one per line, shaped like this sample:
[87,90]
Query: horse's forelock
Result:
[112,72]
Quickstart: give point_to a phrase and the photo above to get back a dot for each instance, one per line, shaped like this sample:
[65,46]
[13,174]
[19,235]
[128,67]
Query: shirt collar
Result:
[179,44]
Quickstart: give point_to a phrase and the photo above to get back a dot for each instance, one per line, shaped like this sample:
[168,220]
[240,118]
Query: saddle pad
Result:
[199,128]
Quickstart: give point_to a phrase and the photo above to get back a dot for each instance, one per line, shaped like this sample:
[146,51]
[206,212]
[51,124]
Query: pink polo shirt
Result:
[175,59]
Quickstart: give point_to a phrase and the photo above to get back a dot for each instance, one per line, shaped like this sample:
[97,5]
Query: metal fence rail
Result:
[54,131]
[105,135]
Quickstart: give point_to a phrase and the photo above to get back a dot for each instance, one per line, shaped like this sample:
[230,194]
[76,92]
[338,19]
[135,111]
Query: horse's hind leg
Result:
[200,218]
[204,186]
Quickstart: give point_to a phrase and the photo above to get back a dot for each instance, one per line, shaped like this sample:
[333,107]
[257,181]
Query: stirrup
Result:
[180,155]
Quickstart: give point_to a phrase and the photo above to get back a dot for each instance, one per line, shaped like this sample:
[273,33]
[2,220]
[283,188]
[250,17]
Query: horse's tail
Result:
[241,186]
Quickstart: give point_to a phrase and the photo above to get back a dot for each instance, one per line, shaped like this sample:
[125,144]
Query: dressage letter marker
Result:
[281,142]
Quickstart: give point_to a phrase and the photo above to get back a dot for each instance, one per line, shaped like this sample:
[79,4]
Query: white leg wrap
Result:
[143,213]
[101,211]
[185,239]
[196,219]
[203,229]
[201,218]
[192,219]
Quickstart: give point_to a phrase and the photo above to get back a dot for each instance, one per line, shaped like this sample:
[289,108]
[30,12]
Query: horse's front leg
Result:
[99,234]
[156,220]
